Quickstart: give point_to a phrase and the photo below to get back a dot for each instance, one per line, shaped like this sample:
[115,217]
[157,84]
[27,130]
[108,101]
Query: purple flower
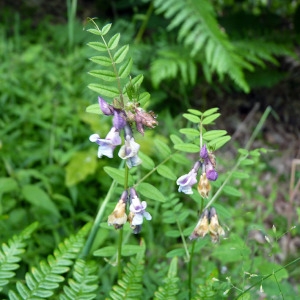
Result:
[138,209]
[107,145]
[119,120]
[204,152]
[186,182]
[106,108]
[129,152]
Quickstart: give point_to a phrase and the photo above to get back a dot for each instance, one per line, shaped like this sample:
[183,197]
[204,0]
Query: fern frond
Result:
[200,31]
[170,289]
[10,254]
[173,63]
[82,286]
[41,282]
[130,286]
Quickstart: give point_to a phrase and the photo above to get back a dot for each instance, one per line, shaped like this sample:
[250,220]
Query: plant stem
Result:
[120,253]
[190,270]
[91,237]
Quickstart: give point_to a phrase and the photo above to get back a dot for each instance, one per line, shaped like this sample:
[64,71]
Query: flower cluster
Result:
[208,223]
[207,162]
[137,212]
[122,120]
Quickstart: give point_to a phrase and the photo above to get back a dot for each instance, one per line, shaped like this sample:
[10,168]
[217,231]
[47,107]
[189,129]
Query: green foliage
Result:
[41,282]
[11,252]
[130,285]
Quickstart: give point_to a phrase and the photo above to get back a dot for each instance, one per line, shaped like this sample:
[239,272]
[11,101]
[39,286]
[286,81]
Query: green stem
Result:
[190,270]
[183,241]
[119,257]
[144,24]
[97,221]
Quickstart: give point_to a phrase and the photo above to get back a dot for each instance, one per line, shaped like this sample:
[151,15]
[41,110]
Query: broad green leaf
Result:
[181,217]
[166,172]
[150,191]
[137,80]
[144,98]
[147,161]
[39,198]
[121,54]
[173,233]
[104,90]
[97,46]
[128,250]
[113,42]
[105,29]
[180,159]
[118,175]
[81,165]
[231,250]
[210,111]
[243,151]
[219,142]
[195,112]
[192,118]
[101,60]
[231,191]
[213,134]
[94,31]
[190,131]
[210,119]
[176,139]
[125,69]
[7,184]
[94,109]
[176,252]
[162,148]
[190,148]
[103,74]
[106,251]
[247,162]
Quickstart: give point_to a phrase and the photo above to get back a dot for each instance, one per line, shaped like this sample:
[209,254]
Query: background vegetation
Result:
[192,54]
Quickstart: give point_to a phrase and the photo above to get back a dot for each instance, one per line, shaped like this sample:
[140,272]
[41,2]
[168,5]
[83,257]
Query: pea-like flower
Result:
[129,151]
[203,186]
[209,162]
[106,108]
[202,227]
[138,209]
[107,145]
[186,181]
[119,120]
[215,230]
[118,217]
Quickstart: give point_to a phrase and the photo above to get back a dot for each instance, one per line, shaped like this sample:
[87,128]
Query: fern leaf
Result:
[10,254]
[41,282]
[170,289]
[130,286]
[199,31]
[82,285]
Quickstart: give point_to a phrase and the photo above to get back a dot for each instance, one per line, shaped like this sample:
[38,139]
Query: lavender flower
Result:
[138,209]
[186,181]
[129,152]
[106,108]
[107,145]
[119,119]
[209,161]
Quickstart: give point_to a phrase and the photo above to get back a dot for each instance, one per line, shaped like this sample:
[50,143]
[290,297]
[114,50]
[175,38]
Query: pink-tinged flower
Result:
[107,145]
[119,120]
[143,118]
[209,161]
[129,151]
[106,108]
[138,209]
[186,181]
